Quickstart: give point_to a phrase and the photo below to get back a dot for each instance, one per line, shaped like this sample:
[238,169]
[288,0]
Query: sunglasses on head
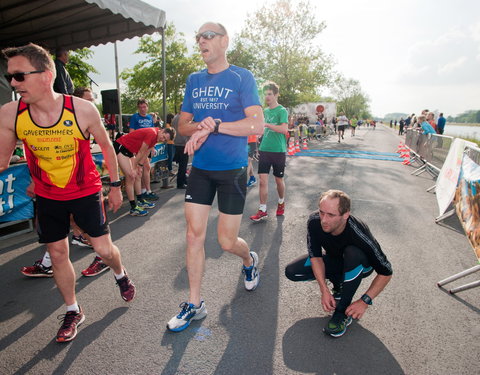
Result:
[207,35]
[20,77]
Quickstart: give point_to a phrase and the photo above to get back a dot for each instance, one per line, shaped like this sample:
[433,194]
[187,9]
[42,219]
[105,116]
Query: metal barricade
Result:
[440,144]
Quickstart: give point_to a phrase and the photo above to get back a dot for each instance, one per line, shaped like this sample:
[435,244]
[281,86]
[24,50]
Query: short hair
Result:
[79,91]
[344,200]
[170,117]
[36,55]
[421,118]
[219,25]
[170,132]
[142,101]
[272,86]
[441,114]
[60,51]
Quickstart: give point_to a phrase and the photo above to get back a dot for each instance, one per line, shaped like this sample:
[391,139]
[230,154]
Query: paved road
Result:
[412,328]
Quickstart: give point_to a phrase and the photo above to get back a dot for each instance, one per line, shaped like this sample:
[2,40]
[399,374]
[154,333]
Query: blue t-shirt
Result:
[427,128]
[138,121]
[441,124]
[223,96]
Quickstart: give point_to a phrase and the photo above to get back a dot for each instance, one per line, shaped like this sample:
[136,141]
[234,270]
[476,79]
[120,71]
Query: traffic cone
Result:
[297,146]
[305,144]
[400,147]
[291,147]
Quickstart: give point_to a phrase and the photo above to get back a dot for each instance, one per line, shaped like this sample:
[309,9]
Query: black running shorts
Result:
[121,149]
[231,186]
[275,160]
[53,217]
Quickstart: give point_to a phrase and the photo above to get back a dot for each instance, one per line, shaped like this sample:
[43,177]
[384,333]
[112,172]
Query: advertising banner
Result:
[467,202]
[15,204]
[448,176]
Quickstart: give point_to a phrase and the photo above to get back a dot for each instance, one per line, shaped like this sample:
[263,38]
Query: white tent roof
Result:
[75,24]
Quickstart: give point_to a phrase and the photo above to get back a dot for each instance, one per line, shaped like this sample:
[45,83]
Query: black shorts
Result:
[252,149]
[341,127]
[276,160]
[53,217]
[231,186]
[121,149]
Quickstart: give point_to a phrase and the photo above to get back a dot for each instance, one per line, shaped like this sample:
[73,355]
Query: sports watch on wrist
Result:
[217,126]
[366,298]
[115,183]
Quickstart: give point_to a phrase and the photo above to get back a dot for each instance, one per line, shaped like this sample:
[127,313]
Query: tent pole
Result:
[117,79]
[164,79]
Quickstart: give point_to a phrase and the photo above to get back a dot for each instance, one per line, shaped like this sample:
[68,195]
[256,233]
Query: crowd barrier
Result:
[430,150]
[457,170]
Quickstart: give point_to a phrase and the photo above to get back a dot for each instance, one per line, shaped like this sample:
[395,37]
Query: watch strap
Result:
[116,183]
[366,298]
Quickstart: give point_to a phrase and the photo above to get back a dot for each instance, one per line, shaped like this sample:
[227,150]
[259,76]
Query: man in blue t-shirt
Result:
[221,108]
[143,119]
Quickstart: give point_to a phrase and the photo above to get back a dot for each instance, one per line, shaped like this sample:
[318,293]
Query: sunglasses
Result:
[20,77]
[207,35]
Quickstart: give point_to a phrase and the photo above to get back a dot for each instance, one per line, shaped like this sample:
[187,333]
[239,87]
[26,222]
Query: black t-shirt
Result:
[356,233]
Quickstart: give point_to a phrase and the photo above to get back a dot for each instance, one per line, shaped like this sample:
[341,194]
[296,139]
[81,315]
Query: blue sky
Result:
[407,54]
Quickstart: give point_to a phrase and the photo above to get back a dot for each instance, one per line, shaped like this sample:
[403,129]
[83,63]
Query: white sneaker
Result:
[189,312]
[252,276]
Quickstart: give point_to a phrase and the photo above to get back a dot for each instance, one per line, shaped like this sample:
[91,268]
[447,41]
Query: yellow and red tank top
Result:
[58,156]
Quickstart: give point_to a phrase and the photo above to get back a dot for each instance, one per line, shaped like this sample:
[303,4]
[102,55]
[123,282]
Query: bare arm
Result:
[142,154]
[8,138]
[90,122]
[282,128]
[318,267]
[252,124]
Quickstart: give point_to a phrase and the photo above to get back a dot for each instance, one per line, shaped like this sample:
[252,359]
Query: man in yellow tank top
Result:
[55,130]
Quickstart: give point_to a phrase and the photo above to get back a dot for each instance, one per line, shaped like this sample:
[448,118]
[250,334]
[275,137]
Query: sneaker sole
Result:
[62,340]
[257,220]
[98,273]
[37,275]
[78,243]
[255,263]
[138,214]
[339,333]
[187,324]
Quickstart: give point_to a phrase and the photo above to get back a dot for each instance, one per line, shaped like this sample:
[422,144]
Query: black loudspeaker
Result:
[110,101]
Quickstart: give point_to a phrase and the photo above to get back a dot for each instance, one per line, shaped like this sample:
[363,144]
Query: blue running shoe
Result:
[252,181]
[252,276]
[145,204]
[138,211]
[337,325]
[189,312]
[150,196]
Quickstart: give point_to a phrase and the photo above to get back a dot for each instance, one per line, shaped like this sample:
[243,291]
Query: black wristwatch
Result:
[115,183]
[366,298]
[217,126]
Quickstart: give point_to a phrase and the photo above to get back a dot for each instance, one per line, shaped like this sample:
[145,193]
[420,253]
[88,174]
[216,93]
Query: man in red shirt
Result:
[132,151]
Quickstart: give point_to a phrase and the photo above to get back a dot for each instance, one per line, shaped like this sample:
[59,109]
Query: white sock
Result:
[144,191]
[73,307]
[120,275]
[263,207]
[46,261]
[281,200]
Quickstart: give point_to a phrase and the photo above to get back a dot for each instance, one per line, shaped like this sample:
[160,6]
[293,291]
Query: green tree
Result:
[277,43]
[79,69]
[350,98]
[145,78]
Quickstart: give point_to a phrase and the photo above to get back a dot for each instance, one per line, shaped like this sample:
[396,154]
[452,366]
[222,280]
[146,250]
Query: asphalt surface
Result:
[414,327]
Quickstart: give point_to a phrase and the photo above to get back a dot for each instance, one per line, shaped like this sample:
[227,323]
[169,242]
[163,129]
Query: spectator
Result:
[441,124]
[63,83]
[180,156]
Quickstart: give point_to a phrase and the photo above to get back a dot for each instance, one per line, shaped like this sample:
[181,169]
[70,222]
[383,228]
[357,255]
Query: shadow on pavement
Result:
[86,336]
[308,350]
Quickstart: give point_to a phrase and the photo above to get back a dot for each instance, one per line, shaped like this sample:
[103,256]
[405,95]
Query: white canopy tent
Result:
[76,24]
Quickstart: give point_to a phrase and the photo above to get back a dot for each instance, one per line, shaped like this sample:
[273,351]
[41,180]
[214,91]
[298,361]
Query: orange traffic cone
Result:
[297,146]
[291,147]
[305,144]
